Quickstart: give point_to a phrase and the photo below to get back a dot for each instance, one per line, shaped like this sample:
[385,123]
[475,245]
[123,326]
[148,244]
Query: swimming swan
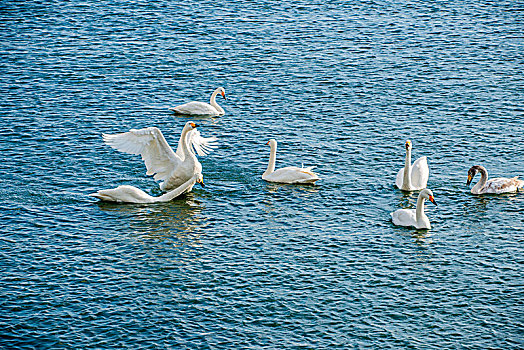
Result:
[172,168]
[413,177]
[289,175]
[492,186]
[201,108]
[414,217]
[131,194]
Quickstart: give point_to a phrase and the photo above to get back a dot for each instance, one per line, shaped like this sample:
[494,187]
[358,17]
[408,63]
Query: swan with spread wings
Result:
[172,168]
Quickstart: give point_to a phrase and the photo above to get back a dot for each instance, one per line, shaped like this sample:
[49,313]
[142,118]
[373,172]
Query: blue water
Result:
[243,264]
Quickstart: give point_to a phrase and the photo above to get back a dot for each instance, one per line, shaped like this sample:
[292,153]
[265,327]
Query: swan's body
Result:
[413,177]
[131,194]
[496,185]
[172,168]
[201,108]
[414,217]
[289,175]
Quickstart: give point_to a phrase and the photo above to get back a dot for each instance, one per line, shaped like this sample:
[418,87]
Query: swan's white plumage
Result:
[289,175]
[172,168]
[404,217]
[292,174]
[414,217]
[201,108]
[419,172]
[131,194]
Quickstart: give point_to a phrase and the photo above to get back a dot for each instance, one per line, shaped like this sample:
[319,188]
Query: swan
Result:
[413,177]
[415,217]
[131,194]
[172,168]
[201,108]
[494,186]
[289,175]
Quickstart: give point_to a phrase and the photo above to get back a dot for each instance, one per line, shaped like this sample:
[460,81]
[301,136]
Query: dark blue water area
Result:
[241,263]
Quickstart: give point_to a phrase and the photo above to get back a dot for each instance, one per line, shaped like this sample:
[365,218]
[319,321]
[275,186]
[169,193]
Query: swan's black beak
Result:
[432,200]
[470,178]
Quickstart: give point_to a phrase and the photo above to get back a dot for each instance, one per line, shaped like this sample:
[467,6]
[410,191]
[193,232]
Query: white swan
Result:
[289,175]
[172,168]
[492,186]
[413,177]
[415,217]
[131,194]
[201,108]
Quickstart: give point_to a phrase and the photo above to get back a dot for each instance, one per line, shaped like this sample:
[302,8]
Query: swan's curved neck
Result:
[419,213]
[482,182]
[272,160]
[183,143]
[213,102]
[406,181]
[177,191]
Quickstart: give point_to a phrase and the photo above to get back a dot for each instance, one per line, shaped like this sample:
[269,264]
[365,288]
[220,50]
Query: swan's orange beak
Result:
[469,180]
[193,125]
[432,200]
[223,95]
[267,143]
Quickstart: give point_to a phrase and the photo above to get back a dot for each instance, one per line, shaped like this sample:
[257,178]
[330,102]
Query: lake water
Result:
[241,263]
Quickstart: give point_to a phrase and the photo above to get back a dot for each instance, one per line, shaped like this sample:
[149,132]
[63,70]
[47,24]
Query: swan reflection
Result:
[181,220]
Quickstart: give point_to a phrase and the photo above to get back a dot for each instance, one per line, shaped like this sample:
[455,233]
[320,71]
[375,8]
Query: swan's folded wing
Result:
[159,158]
[503,185]
[400,178]
[420,173]
[404,217]
[198,144]
[195,108]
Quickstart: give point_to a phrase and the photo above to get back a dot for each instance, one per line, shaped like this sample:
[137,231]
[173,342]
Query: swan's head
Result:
[428,194]
[472,172]
[408,145]
[222,92]
[272,143]
[200,179]
[190,125]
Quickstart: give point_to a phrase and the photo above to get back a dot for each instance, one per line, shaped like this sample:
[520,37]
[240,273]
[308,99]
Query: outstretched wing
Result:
[159,158]
[197,144]
[420,173]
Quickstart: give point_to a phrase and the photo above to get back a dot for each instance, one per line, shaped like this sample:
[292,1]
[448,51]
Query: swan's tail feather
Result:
[309,181]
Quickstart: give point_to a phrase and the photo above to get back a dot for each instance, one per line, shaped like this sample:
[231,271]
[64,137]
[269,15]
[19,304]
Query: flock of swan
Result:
[180,170]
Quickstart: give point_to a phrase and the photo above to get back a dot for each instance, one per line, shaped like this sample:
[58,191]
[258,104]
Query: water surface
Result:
[242,263]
